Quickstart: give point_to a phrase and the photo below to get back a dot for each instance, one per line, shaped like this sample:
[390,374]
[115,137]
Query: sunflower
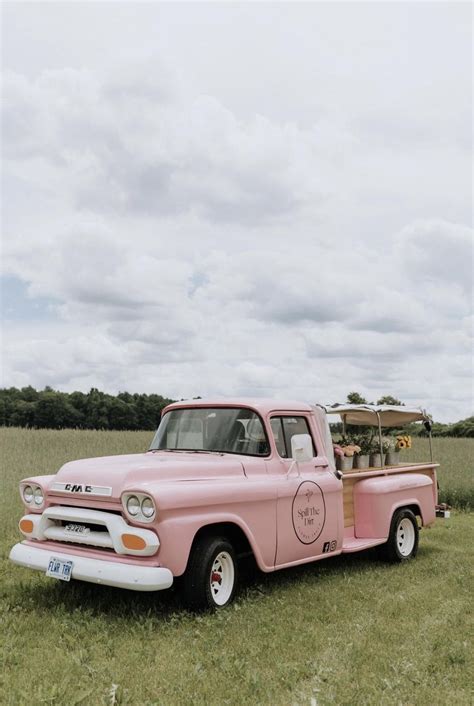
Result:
[404,442]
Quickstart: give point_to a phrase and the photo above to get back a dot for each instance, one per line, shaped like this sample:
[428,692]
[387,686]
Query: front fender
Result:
[185,507]
[177,533]
[43,481]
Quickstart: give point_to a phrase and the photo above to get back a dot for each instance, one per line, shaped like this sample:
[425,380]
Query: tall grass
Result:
[44,451]
[346,631]
[29,452]
[456,471]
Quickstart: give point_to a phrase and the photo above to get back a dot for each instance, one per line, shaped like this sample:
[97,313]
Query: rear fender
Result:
[376,500]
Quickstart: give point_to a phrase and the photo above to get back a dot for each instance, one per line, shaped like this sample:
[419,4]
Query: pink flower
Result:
[338,450]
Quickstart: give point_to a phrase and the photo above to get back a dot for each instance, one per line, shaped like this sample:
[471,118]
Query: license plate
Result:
[77,529]
[59,569]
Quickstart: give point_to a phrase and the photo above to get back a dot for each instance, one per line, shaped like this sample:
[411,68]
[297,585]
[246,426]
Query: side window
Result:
[284,428]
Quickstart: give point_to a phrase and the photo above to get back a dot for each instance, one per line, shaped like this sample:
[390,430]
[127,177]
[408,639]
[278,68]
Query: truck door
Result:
[309,498]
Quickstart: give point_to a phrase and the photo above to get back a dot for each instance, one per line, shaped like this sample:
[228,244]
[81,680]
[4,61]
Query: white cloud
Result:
[437,251]
[193,249]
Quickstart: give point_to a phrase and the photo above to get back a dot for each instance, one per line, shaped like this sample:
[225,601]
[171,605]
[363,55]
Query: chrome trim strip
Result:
[81,489]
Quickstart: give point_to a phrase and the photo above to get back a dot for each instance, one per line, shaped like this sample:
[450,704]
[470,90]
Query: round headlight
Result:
[133,505]
[38,496]
[147,508]
[28,494]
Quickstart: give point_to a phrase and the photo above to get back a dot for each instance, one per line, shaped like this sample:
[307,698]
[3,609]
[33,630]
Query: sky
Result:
[256,199]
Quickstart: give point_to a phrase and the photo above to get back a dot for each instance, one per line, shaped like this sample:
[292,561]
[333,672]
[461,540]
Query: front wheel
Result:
[402,541]
[210,580]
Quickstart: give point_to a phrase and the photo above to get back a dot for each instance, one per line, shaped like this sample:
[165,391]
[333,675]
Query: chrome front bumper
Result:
[109,573]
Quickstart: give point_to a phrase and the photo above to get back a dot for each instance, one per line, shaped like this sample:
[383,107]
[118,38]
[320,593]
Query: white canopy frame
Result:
[380,416]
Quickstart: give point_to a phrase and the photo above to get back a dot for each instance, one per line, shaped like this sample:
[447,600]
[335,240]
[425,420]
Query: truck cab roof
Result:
[259,404]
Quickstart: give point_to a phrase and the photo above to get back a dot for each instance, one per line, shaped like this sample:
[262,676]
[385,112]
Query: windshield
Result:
[219,429]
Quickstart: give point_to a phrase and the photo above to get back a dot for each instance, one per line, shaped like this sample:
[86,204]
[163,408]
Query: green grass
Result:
[349,630]
[456,471]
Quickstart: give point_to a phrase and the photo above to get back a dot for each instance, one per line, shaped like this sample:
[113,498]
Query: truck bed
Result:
[350,478]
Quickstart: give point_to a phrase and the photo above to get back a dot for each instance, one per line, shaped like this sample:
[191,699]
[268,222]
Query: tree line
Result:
[52,409]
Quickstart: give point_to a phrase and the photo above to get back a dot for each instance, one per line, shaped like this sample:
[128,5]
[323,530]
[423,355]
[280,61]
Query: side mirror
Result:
[302,448]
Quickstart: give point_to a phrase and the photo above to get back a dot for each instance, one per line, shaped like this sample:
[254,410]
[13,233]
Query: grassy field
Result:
[349,630]
[456,471]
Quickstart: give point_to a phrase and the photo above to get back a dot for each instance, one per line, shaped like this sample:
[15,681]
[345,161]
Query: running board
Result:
[353,544]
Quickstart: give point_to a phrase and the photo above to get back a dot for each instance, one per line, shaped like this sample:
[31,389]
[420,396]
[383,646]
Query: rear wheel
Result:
[402,542]
[210,580]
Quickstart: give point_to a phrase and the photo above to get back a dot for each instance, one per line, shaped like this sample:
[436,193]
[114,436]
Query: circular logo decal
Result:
[309,512]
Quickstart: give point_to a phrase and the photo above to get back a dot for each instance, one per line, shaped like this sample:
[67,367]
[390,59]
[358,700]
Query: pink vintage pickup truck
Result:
[221,480]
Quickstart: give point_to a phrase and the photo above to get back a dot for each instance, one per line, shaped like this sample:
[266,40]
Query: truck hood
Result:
[140,470]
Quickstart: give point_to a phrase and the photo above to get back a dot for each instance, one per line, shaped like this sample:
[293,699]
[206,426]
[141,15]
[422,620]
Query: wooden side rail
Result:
[388,470]
[350,478]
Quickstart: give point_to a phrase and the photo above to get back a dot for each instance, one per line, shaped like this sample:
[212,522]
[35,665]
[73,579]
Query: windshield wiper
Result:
[204,451]
[190,451]
[153,450]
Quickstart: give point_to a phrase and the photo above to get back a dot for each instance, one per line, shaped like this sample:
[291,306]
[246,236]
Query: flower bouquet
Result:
[376,458]
[345,456]
[362,457]
[389,447]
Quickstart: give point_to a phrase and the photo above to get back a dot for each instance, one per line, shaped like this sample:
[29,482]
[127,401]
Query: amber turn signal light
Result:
[132,541]
[26,526]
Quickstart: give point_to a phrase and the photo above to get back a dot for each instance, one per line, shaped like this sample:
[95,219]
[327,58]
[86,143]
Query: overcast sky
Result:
[252,199]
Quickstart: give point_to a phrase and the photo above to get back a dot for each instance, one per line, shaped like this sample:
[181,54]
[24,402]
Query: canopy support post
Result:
[431,446]
[382,460]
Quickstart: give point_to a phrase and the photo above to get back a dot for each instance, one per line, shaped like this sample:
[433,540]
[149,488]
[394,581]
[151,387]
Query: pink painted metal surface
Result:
[352,544]
[376,499]
[290,513]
